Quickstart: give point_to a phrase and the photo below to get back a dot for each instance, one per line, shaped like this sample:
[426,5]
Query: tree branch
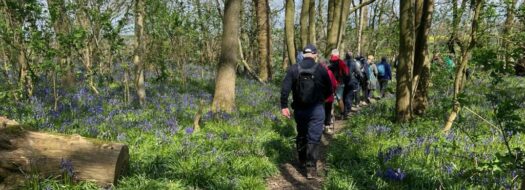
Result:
[361,6]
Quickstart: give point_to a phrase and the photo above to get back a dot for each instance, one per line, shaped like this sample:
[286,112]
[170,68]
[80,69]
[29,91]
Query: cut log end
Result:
[122,164]
[23,151]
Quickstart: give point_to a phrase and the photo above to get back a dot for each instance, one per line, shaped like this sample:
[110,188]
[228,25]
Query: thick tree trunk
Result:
[289,30]
[345,10]
[264,38]
[460,72]
[330,18]
[224,97]
[139,51]
[420,103]
[421,61]
[320,26]
[406,58]
[305,14]
[25,152]
[333,28]
[311,27]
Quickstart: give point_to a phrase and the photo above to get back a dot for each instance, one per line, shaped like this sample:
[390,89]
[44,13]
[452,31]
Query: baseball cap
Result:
[310,49]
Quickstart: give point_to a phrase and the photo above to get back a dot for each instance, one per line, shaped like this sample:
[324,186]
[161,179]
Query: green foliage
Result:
[235,151]
[375,153]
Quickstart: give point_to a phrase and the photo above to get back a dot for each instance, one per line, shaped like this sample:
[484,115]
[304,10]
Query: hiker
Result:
[352,83]
[449,64]
[329,102]
[372,84]
[340,71]
[384,73]
[365,80]
[310,86]
[360,79]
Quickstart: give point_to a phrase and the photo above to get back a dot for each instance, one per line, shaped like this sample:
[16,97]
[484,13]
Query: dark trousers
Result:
[309,130]
[349,95]
[364,88]
[355,93]
[328,106]
[383,84]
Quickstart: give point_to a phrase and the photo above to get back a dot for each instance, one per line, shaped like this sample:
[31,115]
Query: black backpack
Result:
[306,85]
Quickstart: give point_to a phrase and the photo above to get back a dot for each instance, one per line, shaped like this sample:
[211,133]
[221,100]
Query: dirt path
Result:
[290,178]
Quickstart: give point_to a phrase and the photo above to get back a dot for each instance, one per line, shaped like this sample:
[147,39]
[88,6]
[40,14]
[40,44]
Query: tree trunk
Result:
[345,10]
[289,30]
[507,29]
[363,23]
[305,14]
[421,61]
[460,72]
[224,97]
[25,152]
[285,57]
[264,38]
[330,19]
[360,32]
[406,58]
[311,27]
[333,28]
[24,78]
[139,51]
[58,20]
[457,14]
[87,50]
[421,97]
[5,60]
[127,94]
[320,26]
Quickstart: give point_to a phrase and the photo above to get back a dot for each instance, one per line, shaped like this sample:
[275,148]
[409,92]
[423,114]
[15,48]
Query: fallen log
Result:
[24,152]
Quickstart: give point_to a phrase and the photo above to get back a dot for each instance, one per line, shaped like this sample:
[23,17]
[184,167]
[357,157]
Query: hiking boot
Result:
[328,130]
[311,173]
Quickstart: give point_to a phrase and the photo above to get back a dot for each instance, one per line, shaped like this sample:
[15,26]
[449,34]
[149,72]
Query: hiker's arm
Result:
[286,88]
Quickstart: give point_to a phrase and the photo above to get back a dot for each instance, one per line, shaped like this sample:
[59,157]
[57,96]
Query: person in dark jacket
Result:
[308,116]
[384,75]
[365,80]
[352,83]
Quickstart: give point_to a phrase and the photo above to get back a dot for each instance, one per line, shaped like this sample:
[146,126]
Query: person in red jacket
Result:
[341,73]
[329,102]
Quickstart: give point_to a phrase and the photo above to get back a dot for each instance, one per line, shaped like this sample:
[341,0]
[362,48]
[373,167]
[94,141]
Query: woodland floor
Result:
[290,177]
